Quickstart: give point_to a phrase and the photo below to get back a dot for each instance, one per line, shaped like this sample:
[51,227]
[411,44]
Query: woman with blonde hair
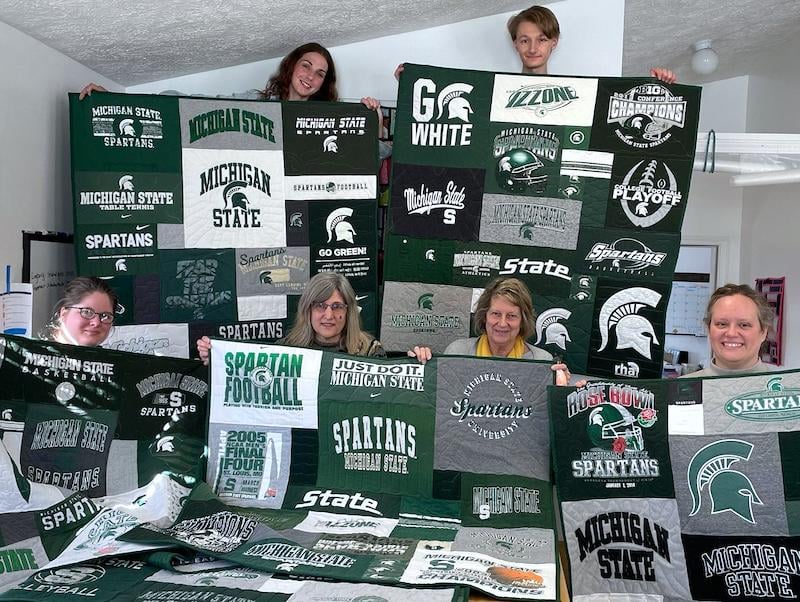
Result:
[327,318]
[504,317]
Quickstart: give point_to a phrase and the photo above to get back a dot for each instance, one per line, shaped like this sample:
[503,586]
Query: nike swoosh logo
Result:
[142,227]
[126,215]
[359,298]
[375,394]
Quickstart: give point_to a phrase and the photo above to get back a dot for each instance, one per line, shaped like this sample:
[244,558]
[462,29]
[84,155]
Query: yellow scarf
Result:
[483,349]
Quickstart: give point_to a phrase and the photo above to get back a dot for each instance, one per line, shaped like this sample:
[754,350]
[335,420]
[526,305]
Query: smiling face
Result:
[503,322]
[735,332]
[77,330]
[308,76]
[534,47]
[329,323]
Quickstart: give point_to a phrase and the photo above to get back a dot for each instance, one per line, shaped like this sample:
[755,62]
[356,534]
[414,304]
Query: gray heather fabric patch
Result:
[123,472]
[249,466]
[281,270]
[752,404]
[470,438]
[226,124]
[424,314]
[526,545]
[170,236]
[530,221]
[722,480]
[365,592]
[593,521]
[30,552]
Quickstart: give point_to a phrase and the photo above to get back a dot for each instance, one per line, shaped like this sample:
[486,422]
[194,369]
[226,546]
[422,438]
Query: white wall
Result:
[714,212]
[34,166]
[770,240]
[591,44]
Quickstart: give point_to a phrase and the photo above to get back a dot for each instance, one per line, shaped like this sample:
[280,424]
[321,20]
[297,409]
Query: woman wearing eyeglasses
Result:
[84,315]
[327,318]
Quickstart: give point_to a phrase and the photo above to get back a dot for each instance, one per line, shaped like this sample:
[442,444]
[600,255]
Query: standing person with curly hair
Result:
[84,315]
[327,319]
[738,320]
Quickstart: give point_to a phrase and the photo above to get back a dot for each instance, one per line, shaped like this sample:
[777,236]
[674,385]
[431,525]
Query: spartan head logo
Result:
[165,445]
[572,188]
[264,277]
[633,331]
[126,182]
[549,327]
[7,414]
[425,301]
[296,220]
[235,197]
[729,490]
[336,223]
[262,377]
[612,427]
[452,98]
[120,265]
[329,145]
[127,128]
[430,255]
[526,230]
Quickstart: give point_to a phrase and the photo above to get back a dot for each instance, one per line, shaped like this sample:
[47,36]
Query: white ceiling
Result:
[136,41]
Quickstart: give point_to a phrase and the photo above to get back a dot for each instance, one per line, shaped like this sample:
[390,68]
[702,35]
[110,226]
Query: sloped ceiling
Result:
[136,41]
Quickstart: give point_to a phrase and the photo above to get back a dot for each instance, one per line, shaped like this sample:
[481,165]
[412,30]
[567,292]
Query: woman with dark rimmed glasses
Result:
[84,315]
[327,318]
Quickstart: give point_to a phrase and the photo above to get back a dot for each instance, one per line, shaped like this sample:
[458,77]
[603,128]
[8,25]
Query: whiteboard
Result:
[695,280]
[48,263]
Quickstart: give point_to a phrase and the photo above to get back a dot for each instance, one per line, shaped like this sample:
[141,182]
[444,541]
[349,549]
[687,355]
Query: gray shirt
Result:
[714,370]
[470,347]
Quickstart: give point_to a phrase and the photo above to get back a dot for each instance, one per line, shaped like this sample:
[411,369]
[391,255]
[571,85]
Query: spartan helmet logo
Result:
[516,170]
[548,324]
[126,182]
[425,301]
[643,127]
[329,145]
[610,421]
[120,265]
[165,444]
[430,255]
[7,414]
[235,197]
[451,97]
[729,490]
[296,220]
[126,128]
[336,223]
[633,331]
[264,277]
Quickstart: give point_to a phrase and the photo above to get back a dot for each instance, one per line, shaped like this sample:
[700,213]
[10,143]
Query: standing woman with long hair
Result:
[84,315]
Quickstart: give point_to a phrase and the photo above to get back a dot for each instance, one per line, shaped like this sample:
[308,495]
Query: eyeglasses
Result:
[87,313]
[321,306]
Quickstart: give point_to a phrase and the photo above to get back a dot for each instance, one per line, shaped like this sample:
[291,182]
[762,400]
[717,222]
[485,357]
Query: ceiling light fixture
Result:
[704,59]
